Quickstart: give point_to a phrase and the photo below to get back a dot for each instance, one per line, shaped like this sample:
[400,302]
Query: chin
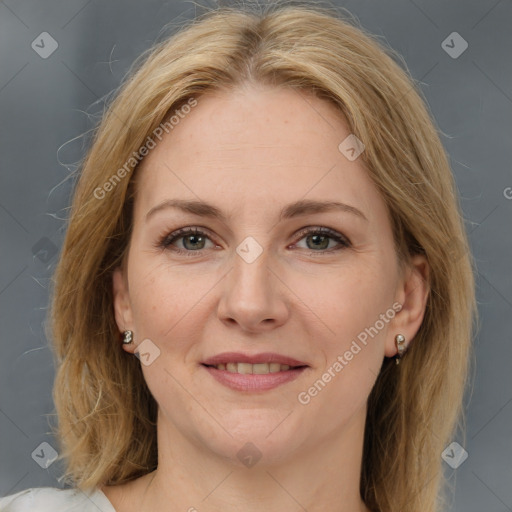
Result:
[265,442]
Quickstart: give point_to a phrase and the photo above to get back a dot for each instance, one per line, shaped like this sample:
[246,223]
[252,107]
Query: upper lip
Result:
[264,357]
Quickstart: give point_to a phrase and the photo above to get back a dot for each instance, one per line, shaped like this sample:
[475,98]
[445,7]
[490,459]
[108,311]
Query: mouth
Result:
[260,372]
[254,369]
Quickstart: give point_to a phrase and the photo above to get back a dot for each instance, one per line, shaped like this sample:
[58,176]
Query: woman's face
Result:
[259,277]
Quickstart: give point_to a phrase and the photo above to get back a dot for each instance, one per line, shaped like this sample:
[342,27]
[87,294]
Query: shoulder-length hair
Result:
[106,413]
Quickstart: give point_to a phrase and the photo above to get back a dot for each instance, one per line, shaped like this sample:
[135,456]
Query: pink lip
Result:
[253,382]
[265,357]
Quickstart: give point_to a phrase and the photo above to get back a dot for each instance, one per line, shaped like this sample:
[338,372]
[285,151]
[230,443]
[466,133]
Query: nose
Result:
[253,297]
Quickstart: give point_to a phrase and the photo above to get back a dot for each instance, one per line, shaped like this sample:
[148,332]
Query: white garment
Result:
[52,499]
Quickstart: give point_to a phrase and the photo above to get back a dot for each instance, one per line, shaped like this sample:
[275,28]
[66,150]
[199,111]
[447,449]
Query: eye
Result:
[193,240]
[318,239]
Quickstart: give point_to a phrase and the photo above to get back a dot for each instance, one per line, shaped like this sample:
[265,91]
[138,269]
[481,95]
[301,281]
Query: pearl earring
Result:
[400,345]
[127,337]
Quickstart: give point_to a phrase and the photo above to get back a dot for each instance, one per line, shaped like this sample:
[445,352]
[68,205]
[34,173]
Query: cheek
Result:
[351,337]
[365,316]
[349,301]
[166,299]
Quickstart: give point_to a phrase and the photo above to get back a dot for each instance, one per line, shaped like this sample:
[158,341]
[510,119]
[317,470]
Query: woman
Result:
[265,225]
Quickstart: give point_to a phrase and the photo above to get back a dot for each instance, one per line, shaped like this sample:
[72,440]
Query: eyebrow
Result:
[302,207]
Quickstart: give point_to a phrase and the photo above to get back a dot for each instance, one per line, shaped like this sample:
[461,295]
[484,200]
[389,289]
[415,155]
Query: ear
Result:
[412,293]
[122,306]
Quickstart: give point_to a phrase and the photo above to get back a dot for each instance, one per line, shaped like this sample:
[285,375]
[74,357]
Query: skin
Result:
[250,152]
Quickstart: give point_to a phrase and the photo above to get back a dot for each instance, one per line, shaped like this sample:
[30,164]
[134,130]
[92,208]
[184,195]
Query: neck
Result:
[321,478]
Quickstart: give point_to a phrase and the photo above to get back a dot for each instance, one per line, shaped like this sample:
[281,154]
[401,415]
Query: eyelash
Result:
[166,241]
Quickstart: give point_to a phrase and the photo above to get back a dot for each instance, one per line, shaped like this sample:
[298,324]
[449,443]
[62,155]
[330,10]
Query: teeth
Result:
[244,368]
[261,368]
[258,369]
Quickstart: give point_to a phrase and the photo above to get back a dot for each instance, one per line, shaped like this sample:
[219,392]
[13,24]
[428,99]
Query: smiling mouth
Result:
[254,369]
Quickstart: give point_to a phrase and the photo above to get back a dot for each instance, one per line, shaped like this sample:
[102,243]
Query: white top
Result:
[52,499]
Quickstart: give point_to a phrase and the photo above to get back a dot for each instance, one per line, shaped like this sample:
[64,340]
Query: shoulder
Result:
[52,499]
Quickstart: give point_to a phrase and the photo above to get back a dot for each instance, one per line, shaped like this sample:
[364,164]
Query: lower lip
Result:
[253,382]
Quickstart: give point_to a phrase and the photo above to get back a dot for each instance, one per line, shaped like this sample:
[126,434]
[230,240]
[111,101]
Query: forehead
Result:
[257,146]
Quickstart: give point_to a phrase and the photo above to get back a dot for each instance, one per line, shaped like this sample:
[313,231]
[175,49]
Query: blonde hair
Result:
[106,413]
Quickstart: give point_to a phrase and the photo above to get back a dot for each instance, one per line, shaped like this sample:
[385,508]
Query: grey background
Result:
[47,105]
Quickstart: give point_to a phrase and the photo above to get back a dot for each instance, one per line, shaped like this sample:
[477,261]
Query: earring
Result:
[127,337]
[400,345]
